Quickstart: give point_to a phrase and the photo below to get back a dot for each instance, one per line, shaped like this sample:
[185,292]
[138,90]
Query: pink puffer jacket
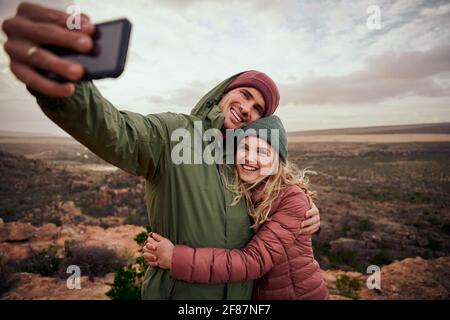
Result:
[278,256]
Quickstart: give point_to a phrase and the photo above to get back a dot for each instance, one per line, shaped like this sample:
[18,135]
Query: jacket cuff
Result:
[182,259]
[46,102]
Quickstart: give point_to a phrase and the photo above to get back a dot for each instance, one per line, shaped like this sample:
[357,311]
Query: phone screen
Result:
[107,58]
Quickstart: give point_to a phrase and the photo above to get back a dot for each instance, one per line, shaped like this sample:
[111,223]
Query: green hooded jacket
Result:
[187,203]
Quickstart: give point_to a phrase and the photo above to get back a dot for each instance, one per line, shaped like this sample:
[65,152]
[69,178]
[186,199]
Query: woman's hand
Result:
[158,251]
[312,222]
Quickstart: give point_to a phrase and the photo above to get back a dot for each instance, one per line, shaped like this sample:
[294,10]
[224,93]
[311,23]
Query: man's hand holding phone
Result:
[34,26]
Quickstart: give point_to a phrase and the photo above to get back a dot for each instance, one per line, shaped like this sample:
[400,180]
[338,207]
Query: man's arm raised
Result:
[128,140]
[131,141]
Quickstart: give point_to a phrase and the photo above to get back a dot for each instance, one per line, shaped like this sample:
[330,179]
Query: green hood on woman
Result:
[187,203]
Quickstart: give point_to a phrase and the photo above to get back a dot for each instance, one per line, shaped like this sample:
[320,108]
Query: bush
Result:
[94,261]
[128,281]
[345,230]
[7,279]
[9,215]
[97,211]
[45,262]
[345,257]
[381,258]
[348,286]
[434,244]
[446,228]
[137,218]
[365,224]
[321,251]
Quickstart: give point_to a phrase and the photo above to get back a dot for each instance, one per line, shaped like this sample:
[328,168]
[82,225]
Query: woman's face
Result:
[255,159]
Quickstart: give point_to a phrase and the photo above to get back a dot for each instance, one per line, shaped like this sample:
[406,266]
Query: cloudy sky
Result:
[332,70]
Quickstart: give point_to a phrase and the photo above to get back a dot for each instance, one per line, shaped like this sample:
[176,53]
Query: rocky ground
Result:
[18,241]
[381,204]
[412,278]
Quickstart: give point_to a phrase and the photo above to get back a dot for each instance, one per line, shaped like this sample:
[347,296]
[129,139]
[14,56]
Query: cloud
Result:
[385,76]
[186,96]
[319,52]
[440,10]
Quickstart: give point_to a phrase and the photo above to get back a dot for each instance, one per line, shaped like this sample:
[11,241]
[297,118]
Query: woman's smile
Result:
[254,159]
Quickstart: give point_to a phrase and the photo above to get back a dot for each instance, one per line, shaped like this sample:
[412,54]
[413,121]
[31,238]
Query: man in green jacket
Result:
[188,202]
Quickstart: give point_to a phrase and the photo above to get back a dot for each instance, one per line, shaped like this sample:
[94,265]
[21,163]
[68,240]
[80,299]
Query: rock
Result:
[110,221]
[338,297]
[47,232]
[70,231]
[409,279]
[413,278]
[32,286]
[16,231]
[121,192]
[69,208]
[14,252]
[80,185]
[117,238]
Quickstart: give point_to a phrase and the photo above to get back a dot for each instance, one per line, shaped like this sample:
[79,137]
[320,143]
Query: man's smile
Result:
[238,117]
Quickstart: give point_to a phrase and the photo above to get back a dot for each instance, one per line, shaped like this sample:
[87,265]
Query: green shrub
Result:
[348,286]
[128,281]
[140,238]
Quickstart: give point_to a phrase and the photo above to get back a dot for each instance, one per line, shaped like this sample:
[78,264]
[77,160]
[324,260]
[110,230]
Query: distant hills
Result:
[421,128]
[424,128]
[7,133]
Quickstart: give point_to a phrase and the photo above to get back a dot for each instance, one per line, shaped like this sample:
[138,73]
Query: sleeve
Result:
[266,248]
[133,142]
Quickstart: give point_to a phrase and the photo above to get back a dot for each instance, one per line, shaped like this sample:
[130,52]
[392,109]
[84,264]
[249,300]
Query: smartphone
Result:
[108,55]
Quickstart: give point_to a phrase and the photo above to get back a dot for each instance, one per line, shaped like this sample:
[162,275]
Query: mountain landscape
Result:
[383,202]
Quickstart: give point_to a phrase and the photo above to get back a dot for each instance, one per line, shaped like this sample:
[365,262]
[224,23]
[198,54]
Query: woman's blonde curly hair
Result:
[287,174]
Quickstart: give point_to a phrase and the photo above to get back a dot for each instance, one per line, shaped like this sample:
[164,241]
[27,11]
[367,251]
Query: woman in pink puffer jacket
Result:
[278,257]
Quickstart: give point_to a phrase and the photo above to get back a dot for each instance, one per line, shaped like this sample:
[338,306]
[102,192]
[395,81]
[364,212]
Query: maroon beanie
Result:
[263,83]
